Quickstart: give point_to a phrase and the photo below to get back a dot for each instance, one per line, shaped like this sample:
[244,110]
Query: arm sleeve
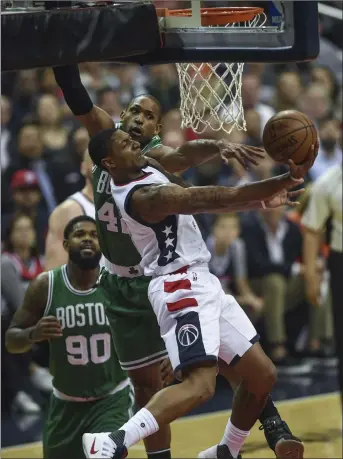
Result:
[75,94]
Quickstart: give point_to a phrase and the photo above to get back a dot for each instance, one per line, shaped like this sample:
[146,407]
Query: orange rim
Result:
[216,16]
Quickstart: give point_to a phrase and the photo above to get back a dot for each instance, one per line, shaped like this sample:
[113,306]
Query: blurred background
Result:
[256,255]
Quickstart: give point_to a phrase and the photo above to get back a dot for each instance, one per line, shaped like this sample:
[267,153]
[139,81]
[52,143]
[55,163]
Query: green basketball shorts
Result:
[135,330]
[66,422]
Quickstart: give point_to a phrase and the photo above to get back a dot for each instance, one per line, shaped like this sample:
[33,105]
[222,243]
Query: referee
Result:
[326,202]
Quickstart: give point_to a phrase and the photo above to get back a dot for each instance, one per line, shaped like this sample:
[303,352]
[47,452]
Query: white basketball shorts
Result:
[198,321]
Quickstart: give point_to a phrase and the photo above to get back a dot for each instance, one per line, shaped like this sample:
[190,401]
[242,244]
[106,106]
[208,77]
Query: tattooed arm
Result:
[96,120]
[155,202]
[28,324]
[188,155]
[196,152]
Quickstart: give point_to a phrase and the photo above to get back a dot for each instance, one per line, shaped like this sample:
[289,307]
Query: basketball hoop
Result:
[211,92]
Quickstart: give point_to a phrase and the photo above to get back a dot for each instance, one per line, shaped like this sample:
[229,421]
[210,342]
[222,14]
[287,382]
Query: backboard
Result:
[286,31]
[209,41]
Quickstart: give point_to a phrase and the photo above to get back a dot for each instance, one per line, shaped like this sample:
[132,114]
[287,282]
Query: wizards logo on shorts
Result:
[187,335]
[166,235]
[189,339]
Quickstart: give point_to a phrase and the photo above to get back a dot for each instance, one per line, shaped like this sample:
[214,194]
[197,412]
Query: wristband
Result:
[263,205]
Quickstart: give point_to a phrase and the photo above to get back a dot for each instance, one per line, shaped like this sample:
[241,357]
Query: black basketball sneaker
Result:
[281,440]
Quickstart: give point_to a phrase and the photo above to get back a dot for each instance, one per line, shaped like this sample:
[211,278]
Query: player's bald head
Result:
[142,119]
[155,103]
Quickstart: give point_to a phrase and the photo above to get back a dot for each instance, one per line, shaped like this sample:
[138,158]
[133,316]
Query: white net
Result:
[211,93]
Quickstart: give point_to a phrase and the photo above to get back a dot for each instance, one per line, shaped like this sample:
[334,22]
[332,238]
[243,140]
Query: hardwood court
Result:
[317,420]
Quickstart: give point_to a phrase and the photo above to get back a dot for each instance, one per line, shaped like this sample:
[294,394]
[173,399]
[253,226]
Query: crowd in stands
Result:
[256,255]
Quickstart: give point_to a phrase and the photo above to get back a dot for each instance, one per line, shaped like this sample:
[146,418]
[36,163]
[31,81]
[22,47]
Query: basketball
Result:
[289,135]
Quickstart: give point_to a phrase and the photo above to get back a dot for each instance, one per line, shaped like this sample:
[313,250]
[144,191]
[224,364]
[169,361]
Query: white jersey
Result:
[86,205]
[167,246]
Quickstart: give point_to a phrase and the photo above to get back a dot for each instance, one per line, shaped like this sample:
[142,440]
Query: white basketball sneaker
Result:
[104,445]
[217,452]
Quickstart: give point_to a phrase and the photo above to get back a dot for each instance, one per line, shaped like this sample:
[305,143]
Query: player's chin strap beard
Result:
[84,263]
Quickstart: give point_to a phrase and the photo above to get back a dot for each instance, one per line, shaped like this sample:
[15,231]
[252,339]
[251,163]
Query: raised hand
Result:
[244,154]
[283,198]
[46,328]
[300,170]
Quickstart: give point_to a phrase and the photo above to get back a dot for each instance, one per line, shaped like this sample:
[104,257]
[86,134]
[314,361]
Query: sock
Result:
[269,410]
[164,454]
[141,425]
[233,438]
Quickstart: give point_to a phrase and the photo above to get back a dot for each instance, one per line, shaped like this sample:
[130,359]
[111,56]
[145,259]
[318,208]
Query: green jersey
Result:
[83,362]
[115,240]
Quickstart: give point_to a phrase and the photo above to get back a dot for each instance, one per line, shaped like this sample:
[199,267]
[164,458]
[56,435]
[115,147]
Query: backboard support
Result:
[294,39]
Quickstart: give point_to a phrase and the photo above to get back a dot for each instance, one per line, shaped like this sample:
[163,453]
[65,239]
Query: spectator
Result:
[132,82]
[109,100]
[251,86]
[48,83]
[20,246]
[288,89]
[173,139]
[6,114]
[330,54]
[228,260]
[24,97]
[164,86]
[78,141]
[330,152]
[171,121]
[20,251]
[32,156]
[264,170]
[324,77]
[236,176]
[93,76]
[273,246]
[58,174]
[253,120]
[27,199]
[315,103]
[16,384]
[54,136]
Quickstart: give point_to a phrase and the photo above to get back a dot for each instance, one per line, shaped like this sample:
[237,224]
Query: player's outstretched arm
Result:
[196,152]
[54,254]
[155,202]
[28,325]
[77,98]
